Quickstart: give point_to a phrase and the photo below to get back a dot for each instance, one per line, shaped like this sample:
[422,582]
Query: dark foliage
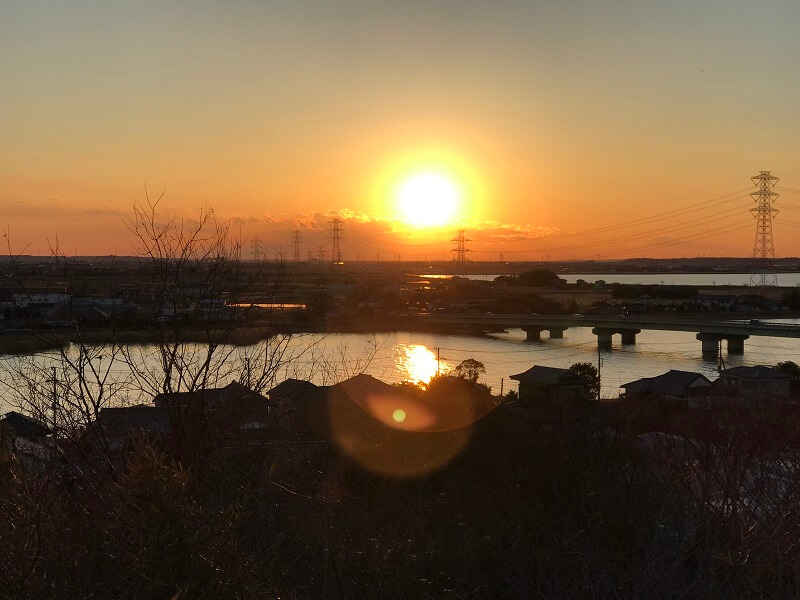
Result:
[571,514]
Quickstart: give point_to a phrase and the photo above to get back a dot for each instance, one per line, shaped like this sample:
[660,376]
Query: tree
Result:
[590,374]
[539,278]
[469,369]
[792,369]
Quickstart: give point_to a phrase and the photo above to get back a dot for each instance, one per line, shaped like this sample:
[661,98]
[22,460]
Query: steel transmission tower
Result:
[256,248]
[764,248]
[296,256]
[460,250]
[336,240]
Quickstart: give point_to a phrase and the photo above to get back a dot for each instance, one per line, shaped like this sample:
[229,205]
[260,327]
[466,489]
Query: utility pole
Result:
[55,400]
[764,248]
[461,250]
[296,256]
[599,365]
[336,241]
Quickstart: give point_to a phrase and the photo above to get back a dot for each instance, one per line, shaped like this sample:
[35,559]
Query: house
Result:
[550,385]
[27,440]
[118,423]
[233,394]
[759,381]
[45,306]
[17,425]
[234,409]
[673,385]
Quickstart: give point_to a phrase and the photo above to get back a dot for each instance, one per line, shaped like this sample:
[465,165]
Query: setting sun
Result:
[427,199]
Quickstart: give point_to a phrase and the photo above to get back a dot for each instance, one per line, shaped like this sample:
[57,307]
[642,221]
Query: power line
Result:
[690,209]
[635,236]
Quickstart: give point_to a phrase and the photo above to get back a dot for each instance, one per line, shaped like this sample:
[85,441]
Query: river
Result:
[404,356]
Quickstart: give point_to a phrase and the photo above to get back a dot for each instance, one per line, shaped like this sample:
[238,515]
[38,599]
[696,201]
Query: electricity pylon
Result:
[336,239]
[460,250]
[296,256]
[764,247]
[256,248]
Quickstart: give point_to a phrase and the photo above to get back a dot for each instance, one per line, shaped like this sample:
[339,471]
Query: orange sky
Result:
[553,119]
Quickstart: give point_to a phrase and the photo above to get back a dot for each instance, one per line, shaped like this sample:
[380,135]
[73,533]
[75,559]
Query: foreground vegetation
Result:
[573,513]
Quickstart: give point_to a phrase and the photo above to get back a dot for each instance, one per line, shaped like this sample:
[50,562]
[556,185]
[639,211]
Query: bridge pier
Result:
[629,336]
[557,333]
[736,343]
[532,334]
[604,338]
[710,344]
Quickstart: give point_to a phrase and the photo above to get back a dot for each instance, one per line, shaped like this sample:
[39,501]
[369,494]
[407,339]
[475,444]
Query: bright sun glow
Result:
[419,363]
[427,199]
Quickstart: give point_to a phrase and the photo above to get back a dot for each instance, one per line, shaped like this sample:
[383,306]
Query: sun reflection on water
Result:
[418,363]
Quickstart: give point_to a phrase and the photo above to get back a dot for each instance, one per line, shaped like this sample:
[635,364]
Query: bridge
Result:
[710,332]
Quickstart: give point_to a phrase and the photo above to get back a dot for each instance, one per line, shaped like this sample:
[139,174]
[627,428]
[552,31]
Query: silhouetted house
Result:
[289,389]
[300,408]
[233,394]
[20,426]
[759,381]
[26,439]
[673,385]
[549,385]
[231,410]
[117,424]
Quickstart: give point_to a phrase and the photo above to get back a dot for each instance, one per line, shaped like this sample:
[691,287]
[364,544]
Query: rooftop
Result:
[548,376]
[671,383]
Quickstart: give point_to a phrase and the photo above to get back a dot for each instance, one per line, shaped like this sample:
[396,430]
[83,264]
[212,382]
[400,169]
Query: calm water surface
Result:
[403,356]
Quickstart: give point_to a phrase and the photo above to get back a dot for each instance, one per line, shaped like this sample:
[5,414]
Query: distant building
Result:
[551,386]
[50,307]
[759,381]
[672,385]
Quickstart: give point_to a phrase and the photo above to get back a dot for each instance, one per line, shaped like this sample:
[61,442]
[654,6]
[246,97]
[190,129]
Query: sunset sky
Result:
[549,119]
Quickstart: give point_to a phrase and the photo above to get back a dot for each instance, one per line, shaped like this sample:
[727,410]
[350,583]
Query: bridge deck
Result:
[617,324]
